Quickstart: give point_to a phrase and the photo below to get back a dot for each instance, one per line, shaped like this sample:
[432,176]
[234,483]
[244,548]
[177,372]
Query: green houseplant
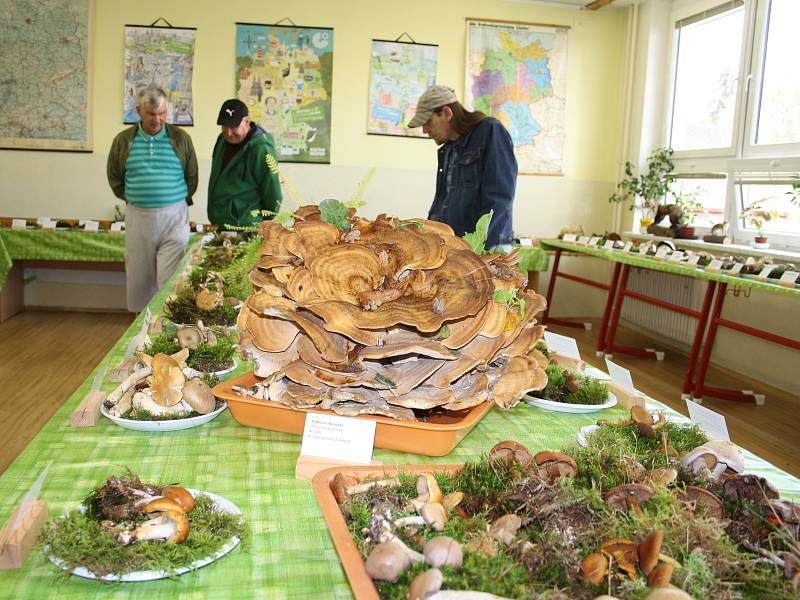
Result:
[645,191]
[756,215]
[691,208]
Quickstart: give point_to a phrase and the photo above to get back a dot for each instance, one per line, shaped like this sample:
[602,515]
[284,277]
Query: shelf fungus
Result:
[387,317]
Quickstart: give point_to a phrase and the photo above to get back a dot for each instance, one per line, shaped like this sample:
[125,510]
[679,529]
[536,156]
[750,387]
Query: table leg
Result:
[612,328]
[552,286]
[698,337]
[699,384]
[612,290]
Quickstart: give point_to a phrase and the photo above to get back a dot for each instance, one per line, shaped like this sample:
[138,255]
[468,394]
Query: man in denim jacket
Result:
[477,169]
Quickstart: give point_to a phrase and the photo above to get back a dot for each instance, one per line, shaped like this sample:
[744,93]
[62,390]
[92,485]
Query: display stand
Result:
[19,541]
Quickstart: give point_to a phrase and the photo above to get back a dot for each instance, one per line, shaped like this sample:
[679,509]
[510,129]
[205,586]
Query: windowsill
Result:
[779,253]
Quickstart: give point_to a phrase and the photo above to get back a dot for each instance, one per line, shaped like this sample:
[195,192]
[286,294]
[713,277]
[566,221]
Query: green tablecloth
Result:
[291,554]
[634,260]
[35,244]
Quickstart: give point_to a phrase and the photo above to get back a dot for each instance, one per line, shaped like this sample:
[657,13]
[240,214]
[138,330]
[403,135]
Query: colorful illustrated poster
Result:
[284,75]
[517,72]
[399,73]
[45,59]
[163,57]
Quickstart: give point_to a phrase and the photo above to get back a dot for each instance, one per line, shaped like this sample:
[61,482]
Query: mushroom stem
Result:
[130,381]
[367,485]
[409,522]
[669,560]
[464,595]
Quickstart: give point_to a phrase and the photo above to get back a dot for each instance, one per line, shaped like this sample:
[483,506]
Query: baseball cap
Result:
[434,97]
[232,113]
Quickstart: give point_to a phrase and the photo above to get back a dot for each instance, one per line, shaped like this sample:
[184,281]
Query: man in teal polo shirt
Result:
[244,186]
[153,168]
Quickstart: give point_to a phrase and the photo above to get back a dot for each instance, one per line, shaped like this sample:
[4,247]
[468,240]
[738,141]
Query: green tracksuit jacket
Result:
[248,184]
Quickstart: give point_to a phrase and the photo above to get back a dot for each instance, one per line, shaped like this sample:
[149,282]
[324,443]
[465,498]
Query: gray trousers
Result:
[155,242]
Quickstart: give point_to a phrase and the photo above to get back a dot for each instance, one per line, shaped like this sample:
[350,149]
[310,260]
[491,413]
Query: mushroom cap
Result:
[659,577]
[554,465]
[425,585]
[387,562]
[181,496]
[453,499]
[509,451]
[662,476]
[434,515]
[649,549]
[198,395]
[427,485]
[725,452]
[624,553]
[345,271]
[595,568]
[668,593]
[618,497]
[189,337]
[443,551]
[505,527]
[209,299]
[339,488]
[709,502]
[167,380]
[639,415]
[172,511]
[162,504]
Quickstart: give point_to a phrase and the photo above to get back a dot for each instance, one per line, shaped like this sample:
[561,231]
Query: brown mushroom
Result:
[629,496]
[167,380]
[443,551]
[668,593]
[424,585]
[198,395]
[505,528]
[189,337]
[345,271]
[168,522]
[181,496]
[660,576]
[649,549]
[434,515]
[509,452]
[554,465]
[387,562]
[625,552]
[595,568]
[703,500]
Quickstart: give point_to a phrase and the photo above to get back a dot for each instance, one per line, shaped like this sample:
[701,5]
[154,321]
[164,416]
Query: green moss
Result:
[182,309]
[588,389]
[80,541]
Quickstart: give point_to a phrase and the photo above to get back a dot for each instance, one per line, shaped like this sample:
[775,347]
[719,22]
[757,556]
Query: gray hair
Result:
[152,97]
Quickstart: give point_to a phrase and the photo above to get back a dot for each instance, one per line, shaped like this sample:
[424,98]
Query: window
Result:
[735,110]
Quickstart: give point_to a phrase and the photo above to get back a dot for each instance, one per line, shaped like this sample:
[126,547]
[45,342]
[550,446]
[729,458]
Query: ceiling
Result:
[576,4]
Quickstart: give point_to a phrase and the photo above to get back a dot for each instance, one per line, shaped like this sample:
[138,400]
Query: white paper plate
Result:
[584,431]
[170,425]
[221,503]
[570,408]
[225,371]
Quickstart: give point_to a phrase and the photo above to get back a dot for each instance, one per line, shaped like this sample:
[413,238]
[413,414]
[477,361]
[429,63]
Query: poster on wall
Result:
[45,75]
[160,57]
[399,72]
[284,76]
[517,72]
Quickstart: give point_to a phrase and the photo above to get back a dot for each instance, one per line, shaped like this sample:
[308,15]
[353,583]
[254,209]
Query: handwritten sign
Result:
[714,265]
[736,268]
[694,260]
[627,247]
[789,278]
[584,239]
[561,344]
[116,226]
[620,375]
[593,240]
[18,224]
[711,422]
[676,257]
[338,438]
[609,245]
[662,252]
[48,225]
[570,237]
[764,274]
[92,226]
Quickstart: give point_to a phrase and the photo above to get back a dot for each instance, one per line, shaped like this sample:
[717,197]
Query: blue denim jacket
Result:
[477,173]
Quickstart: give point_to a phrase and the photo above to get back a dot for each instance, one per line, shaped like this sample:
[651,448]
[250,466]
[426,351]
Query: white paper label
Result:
[676,257]
[736,268]
[765,271]
[714,265]
[92,226]
[116,226]
[570,237]
[789,277]
[627,247]
[561,344]
[584,239]
[42,220]
[593,240]
[198,227]
[662,251]
[338,438]
[18,224]
[620,375]
[48,225]
[522,241]
[609,245]
[693,260]
[643,249]
[711,422]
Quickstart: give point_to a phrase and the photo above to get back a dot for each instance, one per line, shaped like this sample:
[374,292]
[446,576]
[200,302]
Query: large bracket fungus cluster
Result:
[387,317]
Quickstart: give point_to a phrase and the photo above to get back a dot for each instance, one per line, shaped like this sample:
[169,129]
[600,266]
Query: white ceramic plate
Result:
[584,431]
[570,408]
[170,425]
[225,371]
[221,503]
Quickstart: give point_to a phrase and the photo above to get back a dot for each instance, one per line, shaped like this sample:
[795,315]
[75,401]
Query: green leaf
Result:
[477,239]
[413,223]
[444,332]
[502,296]
[334,212]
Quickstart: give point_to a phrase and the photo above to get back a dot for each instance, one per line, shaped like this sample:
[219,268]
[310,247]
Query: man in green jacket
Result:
[153,168]
[244,187]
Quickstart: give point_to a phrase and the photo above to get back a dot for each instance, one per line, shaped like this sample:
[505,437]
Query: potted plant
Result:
[691,208]
[756,214]
[646,190]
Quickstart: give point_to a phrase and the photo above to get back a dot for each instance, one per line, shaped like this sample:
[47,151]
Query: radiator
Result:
[658,321]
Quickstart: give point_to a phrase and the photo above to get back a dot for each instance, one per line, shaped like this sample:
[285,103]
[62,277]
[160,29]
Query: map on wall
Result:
[45,74]
[399,73]
[163,57]
[516,72]
[284,75]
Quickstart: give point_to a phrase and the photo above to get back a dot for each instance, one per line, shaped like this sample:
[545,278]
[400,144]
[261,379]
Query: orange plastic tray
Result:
[353,563]
[435,437]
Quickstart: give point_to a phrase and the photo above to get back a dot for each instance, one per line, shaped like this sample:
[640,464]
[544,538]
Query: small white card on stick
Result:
[711,422]
[333,439]
[561,344]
